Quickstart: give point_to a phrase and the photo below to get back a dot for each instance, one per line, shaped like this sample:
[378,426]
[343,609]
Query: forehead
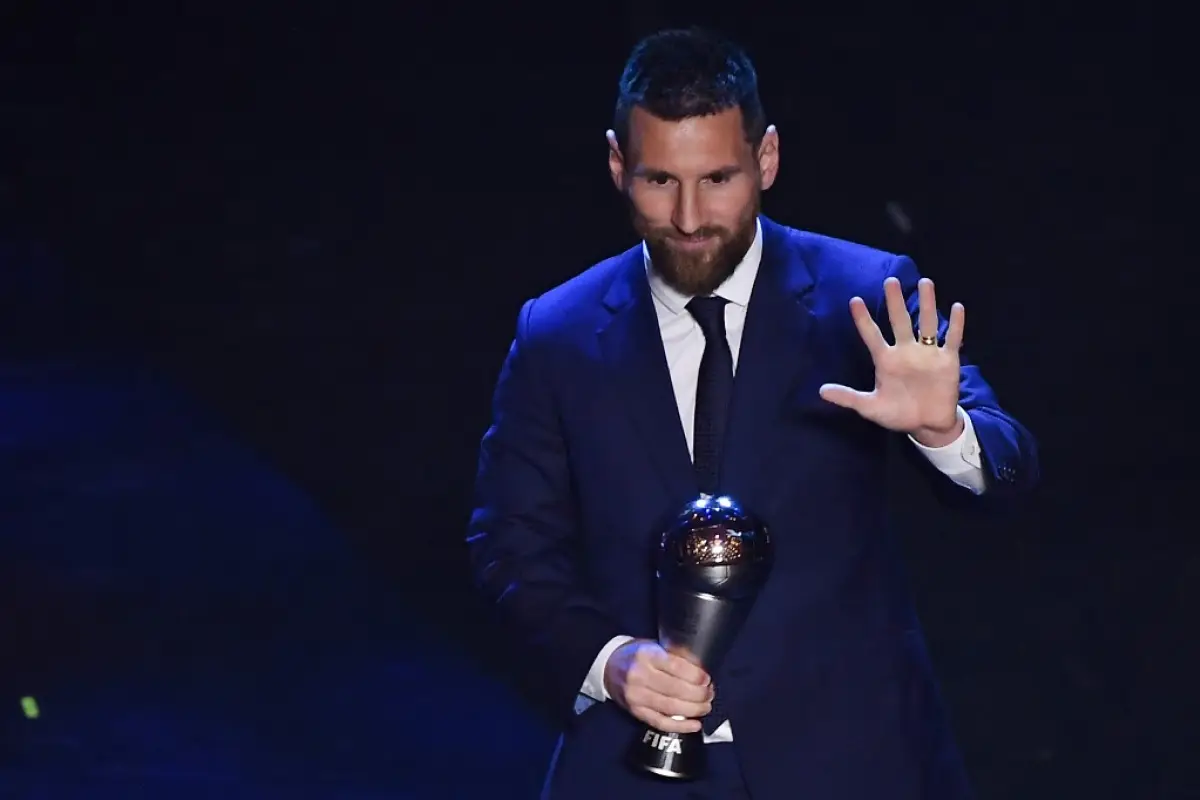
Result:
[695,144]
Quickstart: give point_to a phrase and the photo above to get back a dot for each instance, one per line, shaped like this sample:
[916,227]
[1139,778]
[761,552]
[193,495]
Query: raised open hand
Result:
[916,379]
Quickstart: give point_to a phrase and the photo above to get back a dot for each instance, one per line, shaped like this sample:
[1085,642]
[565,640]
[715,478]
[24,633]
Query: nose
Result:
[687,217]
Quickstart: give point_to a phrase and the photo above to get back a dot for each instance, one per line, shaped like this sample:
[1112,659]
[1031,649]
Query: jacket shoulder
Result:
[840,261]
[575,304]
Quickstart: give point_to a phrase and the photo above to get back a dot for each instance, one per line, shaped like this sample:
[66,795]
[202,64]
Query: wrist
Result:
[610,662]
[941,436]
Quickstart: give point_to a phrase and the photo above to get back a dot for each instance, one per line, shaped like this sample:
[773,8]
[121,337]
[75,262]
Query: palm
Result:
[916,385]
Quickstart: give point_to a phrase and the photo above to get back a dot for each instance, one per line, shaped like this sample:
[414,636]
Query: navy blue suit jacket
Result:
[829,686]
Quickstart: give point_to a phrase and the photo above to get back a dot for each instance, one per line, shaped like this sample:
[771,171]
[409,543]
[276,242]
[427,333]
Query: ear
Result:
[616,161]
[768,157]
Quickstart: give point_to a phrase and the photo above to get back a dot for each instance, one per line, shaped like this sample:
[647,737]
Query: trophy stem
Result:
[674,756]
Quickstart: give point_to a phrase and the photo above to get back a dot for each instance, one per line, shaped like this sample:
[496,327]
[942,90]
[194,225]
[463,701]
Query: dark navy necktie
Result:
[713,391]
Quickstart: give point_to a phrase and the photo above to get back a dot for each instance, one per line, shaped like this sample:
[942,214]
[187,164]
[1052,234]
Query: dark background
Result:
[308,229]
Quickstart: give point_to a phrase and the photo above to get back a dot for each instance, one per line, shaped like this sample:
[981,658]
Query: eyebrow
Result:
[643,171]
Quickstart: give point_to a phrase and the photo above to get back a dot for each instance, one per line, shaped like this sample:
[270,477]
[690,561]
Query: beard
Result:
[698,272]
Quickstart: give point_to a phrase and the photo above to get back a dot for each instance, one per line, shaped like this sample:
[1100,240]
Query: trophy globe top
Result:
[716,531]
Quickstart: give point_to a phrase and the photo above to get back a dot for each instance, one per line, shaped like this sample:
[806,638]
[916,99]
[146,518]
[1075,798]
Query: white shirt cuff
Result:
[593,684]
[961,460]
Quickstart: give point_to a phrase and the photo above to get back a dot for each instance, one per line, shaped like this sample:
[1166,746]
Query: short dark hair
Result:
[681,73]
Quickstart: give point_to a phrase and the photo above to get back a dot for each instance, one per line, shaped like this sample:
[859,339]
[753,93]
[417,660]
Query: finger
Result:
[902,327]
[927,315]
[679,667]
[670,686]
[954,331]
[674,707]
[668,705]
[845,397]
[867,329]
[663,723]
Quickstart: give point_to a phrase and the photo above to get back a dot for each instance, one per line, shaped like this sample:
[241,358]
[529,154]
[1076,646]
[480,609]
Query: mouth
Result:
[693,245]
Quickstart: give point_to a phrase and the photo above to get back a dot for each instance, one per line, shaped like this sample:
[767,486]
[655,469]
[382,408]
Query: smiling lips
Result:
[693,244]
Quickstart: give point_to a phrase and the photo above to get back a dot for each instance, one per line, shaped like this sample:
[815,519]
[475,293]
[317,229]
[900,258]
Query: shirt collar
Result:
[736,288]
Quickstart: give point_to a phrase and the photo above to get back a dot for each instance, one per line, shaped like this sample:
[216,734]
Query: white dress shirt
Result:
[684,343]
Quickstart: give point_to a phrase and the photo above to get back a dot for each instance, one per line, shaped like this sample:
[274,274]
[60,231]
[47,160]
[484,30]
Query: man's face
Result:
[694,188]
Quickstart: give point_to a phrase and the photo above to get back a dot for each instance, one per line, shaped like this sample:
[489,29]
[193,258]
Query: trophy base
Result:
[673,756]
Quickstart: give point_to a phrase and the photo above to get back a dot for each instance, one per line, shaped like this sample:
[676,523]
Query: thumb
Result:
[844,396]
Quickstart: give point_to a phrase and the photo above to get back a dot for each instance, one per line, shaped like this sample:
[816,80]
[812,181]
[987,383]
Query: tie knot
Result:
[709,313]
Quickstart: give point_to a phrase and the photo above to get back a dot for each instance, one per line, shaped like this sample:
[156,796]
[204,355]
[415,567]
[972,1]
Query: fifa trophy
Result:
[713,560]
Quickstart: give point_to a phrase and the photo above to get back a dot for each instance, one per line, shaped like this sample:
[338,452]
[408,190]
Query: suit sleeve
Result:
[1009,451]
[523,534]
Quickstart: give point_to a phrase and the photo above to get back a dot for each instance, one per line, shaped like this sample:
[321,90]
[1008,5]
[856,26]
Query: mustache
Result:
[699,236]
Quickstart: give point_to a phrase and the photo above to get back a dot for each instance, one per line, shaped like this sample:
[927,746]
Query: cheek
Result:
[656,207]
[727,206]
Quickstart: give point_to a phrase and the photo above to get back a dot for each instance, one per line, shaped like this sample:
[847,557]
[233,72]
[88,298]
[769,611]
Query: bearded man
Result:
[719,355]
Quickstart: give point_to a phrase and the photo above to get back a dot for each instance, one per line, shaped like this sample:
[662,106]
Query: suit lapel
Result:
[637,364]
[775,353]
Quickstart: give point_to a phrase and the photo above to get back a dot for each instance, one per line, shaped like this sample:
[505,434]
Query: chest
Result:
[629,434]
